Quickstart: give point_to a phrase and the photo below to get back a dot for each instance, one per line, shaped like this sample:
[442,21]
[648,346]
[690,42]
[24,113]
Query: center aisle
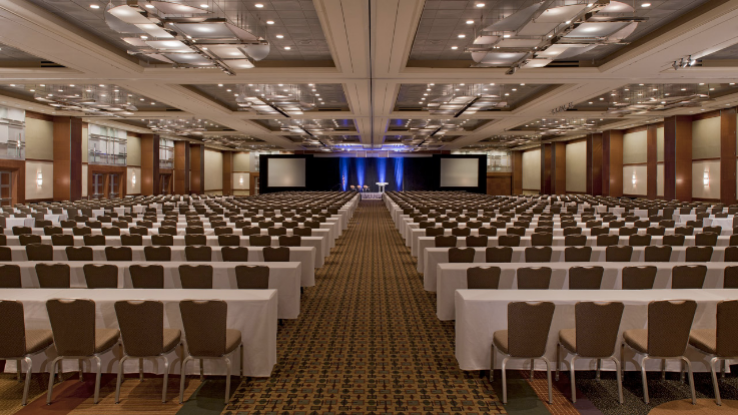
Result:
[368,339]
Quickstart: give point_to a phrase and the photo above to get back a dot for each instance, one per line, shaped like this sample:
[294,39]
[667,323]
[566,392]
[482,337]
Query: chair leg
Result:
[619,378]
[622,359]
[140,370]
[228,379]
[51,379]
[715,381]
[572,380]
[240,360]
[29,369]
[97,378]
[81,370]
[691,379]
[722,368]
[599,366]
[18,369]
[202,370]
[663,369]
[166,380]
[532,367]
[548,377]
[182,376]
[492,364]
[504,380]
[120,378]
[644,379]
[558,360]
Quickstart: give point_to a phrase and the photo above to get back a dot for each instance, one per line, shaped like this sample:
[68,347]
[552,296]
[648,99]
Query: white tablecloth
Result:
[253,312]
[479,313]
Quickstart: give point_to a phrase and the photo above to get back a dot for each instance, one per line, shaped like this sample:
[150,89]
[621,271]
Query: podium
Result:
[381,186]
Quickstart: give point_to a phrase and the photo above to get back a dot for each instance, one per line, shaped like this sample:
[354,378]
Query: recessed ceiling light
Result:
[149,6]
[470,22]
[220,84]
[258,5]
[280,36]
[270,21]
[506,36]
[94,6]
[12,84]
[462,36]
[480,5]
[144,37]
[522,84]
[204,6]
[646,5]
[454,47]
[287,48]
[568,21]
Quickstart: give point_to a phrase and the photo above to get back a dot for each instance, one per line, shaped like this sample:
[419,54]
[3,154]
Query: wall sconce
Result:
[240,180]
[133,179]
[706,179]
[634,179]
[39,180]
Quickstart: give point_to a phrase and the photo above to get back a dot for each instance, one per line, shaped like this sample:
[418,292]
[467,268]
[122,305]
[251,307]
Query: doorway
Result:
[6,188]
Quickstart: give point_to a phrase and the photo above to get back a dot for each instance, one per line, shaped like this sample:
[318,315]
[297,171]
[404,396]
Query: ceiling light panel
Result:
[468,97]
[290,98]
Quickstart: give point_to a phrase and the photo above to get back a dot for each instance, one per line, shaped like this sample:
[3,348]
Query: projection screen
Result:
[459,172]
[286,172]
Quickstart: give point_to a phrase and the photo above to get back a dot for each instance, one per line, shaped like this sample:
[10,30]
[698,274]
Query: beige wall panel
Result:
[634,148]
[213,170]
[706,138]
[39,140]
[133,148]
[33,190]
[241,162]
[240,181]
[576,167]
[660,179]
[711,168]
[639,187]
[133,188]
[532,170]
[660,144]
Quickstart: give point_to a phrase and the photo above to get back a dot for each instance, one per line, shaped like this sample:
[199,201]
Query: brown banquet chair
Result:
[252,277]
[478,278]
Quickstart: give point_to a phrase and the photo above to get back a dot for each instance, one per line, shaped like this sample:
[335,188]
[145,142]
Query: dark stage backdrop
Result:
[400,173]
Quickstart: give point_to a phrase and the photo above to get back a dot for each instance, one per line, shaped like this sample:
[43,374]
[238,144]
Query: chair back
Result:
[53,275]
[445,241]
[205,327]
[10,277]
[627,231]
[92,240]
[276,231]
[79,253]
[131,240]
[575,240]
[534,278]
[141,327]
[608,240]
[684,230]
[618,253]
[198,253]
[488,231]
[251,231]
[162,240]
[151,276]
[229,240]
[688,276]
[26,240]
[234,254]
[528,325]
[115,253]
[196,277]
[538,254]
[110,231]
[461,231]
[656,231]
[673,240]
[585,278]
[13,329]
[294,240]
[259,240]
[22,230]
[658,253]
[252,277]
[639,278]
[434,231]
[73,326]
[669,323]
[101,276]
[597,327]
[730,277]
[508,240]
[477,241]
[274,254]
[223,230]
[459,255]
[158,253]
[698,254]
[498,254]
[639,240]
[478,278]
[302,231]
[62,240]
[727,322]
[705,239]
[577,254]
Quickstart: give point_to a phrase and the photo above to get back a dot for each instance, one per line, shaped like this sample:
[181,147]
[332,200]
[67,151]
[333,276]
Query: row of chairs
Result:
[157,240]
[40,252]
[590,278]
[142,276]
[141,336]
[546,239]
[584,254]
[139,230]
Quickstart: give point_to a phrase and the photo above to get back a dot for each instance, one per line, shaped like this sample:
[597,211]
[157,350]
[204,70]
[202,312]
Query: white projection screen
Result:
[286,172]
[459,172]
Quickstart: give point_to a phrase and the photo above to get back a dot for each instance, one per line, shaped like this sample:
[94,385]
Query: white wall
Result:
[131,188]
[532,170]
[660,144]
[639,189]
[213,170]
[712,190]
[635,147]
[46,190]
[241,162]
[576,167]
[706,138]
[660,179]
[84,180]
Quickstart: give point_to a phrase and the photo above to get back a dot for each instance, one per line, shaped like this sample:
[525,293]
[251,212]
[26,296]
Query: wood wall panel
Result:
[651,163]
[612,163]
[18,177]
[678,158]
[728,155]
[499,184]
[227,173]
[181,167]
[547,169]
[594,164]
[558,164]
[106,171]
[517,172]
[197,169]
[150,165]
[67,158]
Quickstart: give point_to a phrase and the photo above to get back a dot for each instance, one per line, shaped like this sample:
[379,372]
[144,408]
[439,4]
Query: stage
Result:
[371,195]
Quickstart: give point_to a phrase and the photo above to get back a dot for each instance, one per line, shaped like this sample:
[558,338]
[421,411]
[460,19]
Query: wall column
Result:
[558,165]
[651,161]
[678,158]
[612,163]
[227,173]
[67,158]
[197,169]
[517,172]
[547,170]
[181,167]
[727,155]
[594,164]
[150,164]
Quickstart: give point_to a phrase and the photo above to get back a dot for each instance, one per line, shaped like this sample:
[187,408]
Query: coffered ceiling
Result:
[347,75]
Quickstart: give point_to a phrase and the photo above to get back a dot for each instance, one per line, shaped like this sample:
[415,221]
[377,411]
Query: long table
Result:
[253,312]
[452,277]
[302,254]
[435,256]
[283,277]
[479,313]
